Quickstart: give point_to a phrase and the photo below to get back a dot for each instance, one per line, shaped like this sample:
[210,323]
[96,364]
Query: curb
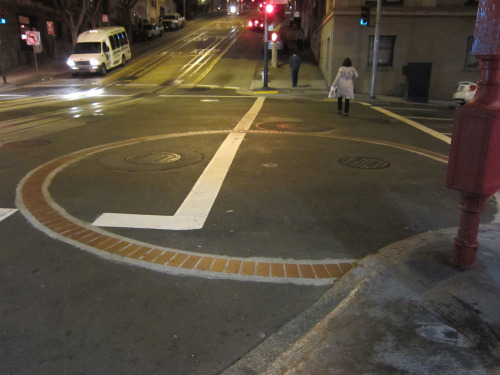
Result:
[282,349]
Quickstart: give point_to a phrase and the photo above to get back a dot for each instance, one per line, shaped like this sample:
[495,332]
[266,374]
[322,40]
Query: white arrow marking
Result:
[194,211]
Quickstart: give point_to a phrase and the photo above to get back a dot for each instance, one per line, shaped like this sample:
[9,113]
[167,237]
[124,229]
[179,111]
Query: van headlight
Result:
[70,63]
[94,62]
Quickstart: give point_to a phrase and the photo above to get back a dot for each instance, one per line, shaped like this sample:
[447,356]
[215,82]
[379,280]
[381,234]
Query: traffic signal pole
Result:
[474,154]
[4,77]
[268,9]
[266,37]
[3,21]
[375,50]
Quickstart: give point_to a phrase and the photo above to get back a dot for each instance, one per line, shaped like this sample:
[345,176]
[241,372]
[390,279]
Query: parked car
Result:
[256,24]
[465,92]
[152,31]
[173,21]
[280,41]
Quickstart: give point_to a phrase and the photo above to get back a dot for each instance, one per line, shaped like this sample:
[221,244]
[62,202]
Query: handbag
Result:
[333,92]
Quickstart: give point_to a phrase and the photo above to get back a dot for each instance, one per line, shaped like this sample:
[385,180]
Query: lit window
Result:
[385,50]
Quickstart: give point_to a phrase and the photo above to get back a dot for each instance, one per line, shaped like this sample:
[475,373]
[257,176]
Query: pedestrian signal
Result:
[365,16]
[274,37]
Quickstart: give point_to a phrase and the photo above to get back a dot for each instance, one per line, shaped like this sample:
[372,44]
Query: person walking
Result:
[300,39]
[295,62]
[344,86]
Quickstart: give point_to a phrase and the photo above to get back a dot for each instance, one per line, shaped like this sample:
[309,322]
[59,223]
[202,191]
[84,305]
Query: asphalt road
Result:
[280,182]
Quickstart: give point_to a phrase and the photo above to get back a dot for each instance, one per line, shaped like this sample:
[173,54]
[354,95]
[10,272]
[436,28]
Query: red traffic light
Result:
[269,8]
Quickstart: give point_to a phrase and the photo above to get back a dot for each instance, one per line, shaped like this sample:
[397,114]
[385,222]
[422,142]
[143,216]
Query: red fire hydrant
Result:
[474,163]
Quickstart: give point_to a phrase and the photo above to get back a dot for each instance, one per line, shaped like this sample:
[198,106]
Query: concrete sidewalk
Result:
[405,310]
[26,74]
[311,83]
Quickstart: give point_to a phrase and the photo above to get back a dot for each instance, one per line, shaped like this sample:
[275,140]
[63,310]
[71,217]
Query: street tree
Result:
[73,13]
[125,7]
[95,13]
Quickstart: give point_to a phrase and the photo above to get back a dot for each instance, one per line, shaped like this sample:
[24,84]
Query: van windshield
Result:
[91,47]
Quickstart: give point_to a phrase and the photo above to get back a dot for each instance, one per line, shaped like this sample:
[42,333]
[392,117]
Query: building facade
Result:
[56,42]
[438,32]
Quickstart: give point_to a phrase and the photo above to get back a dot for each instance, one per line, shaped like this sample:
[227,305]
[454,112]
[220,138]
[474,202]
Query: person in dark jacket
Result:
[295,62]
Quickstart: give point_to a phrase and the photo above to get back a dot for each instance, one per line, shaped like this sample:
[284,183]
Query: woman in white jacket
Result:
[344,87]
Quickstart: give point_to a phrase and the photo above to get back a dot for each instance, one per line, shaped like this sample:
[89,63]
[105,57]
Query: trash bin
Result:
[418,79]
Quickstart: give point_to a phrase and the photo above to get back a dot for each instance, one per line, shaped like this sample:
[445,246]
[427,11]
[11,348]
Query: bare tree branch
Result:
[73,13]
[95,13]
[126,7]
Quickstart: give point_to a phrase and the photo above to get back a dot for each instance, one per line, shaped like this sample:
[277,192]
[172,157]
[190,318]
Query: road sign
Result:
[50,28]
[33,38]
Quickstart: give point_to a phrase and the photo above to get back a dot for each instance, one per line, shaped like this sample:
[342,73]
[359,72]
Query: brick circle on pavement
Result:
[36,204]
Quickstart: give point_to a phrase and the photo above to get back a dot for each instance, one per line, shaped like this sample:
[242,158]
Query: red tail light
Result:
[472,87]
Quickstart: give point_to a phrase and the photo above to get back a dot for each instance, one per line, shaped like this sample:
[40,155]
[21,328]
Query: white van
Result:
[100,49]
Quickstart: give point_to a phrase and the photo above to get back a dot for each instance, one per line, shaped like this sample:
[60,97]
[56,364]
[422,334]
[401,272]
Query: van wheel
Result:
[124,61]
[103,69]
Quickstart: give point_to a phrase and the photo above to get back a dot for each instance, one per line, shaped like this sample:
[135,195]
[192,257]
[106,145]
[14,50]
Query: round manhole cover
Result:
[363,162]
[154,157]
[27,143]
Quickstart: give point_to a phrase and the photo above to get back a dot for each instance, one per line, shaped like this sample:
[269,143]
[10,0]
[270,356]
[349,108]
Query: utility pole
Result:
[375,49]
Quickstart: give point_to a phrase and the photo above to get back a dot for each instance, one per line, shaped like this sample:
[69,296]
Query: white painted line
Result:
[6,212]
[194,211]
[415,124]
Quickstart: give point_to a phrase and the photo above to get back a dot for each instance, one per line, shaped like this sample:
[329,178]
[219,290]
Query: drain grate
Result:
[154,157]
[363,162]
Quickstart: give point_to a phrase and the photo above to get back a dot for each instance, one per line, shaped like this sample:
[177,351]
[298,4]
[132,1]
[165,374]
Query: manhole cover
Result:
[154,157]
[27,143]
[363,162]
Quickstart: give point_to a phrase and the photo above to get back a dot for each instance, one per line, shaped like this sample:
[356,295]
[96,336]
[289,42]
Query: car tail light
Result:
[250,24]
[472,87]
